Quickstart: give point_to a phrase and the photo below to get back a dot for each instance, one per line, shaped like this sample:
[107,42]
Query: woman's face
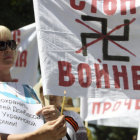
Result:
[8,56]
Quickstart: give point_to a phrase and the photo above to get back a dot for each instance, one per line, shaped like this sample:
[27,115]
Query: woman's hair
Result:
[5,33]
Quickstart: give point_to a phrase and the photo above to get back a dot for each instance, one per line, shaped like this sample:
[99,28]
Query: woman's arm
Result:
[52,130]
[17,136]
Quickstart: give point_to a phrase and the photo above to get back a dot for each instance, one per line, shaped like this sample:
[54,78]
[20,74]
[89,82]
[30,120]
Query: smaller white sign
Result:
[107,108]
[25,69]
[17,117]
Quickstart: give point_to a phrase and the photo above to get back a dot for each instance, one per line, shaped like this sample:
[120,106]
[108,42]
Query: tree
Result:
[16,13]
[113,133]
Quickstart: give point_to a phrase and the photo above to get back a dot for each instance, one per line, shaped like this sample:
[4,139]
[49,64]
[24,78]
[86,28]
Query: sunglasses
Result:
[9,43]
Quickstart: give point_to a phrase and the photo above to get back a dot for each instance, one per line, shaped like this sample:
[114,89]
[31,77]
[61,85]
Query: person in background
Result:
[54,129]
[75,127]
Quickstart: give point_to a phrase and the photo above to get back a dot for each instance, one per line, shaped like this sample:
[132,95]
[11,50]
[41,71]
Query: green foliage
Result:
[113,133]
[16,13]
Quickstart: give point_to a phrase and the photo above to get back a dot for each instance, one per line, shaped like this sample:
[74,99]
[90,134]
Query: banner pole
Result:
[83,107]
[138,135]
[86,124]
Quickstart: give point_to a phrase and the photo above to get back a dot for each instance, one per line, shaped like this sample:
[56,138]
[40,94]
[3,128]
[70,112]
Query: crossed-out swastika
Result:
[105,37]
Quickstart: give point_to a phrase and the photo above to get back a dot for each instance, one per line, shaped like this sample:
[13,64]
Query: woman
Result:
[53,129]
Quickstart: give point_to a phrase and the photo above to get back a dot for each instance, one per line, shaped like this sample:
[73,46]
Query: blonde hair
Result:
[5,33]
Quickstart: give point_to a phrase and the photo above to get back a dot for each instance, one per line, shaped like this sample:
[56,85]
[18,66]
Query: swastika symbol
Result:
[105,37]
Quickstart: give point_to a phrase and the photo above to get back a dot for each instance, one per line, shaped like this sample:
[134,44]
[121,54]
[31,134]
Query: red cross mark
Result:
[104,36]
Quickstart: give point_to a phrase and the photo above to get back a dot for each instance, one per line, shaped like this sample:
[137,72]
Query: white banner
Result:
[122,113]
[26,66]
[89,48]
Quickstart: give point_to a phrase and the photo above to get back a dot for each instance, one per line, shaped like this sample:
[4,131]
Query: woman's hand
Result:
[52,130]
[49,112]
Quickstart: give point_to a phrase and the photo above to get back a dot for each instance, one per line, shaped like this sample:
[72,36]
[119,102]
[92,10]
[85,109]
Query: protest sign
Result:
[107,112]
[25,69]
[105,108]
[89,48]
[17,112]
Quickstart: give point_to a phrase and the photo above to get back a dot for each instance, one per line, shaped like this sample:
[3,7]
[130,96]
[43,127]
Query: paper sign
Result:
[18,107]
[17,117]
